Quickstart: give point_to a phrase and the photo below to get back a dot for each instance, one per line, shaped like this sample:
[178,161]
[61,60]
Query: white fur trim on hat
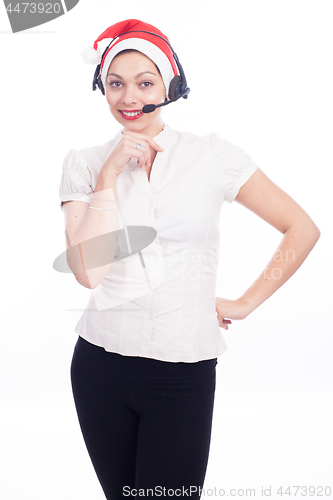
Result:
[148,49]
[91,56]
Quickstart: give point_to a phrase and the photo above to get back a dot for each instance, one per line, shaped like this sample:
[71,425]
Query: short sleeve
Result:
[76,180]
[234,164]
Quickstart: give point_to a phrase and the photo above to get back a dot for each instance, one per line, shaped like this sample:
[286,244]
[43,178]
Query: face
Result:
[133,81]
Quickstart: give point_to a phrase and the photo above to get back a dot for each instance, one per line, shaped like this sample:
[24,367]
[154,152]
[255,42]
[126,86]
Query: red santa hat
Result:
[134,34]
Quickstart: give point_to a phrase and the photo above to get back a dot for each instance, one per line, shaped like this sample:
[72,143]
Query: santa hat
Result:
[133,34]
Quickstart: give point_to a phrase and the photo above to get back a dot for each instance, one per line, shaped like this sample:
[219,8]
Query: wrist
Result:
[246,305]
[108,173]
[106,186]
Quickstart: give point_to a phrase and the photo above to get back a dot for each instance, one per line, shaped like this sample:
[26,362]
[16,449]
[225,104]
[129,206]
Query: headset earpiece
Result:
[97,81]
[100,85]
[175,87]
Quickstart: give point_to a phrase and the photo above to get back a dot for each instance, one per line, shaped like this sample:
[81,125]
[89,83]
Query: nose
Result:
[129,95]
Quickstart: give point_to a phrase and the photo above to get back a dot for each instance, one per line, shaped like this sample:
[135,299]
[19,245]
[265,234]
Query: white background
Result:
[260,72]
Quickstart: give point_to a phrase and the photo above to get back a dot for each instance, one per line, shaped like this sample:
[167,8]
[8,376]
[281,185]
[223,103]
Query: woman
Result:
[143,370]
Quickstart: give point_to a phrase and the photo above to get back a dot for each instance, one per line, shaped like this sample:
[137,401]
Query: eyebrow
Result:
[137,76]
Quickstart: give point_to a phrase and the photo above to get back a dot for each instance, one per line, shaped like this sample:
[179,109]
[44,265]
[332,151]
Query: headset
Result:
[178,86]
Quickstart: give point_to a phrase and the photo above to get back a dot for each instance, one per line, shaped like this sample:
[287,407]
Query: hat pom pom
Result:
[91,56]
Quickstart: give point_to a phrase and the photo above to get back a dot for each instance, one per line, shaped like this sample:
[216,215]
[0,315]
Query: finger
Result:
[134,153]
[142,159]
[142,137]
[224,323]
[142,154]
[133,143]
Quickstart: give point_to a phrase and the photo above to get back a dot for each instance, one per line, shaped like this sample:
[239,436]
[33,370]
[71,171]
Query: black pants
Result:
[146,423]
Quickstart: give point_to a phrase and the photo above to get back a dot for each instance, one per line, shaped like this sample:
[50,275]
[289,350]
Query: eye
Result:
[114,84]
[146,84]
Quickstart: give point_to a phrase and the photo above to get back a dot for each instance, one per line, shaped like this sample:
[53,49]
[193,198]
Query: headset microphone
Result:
[149,108]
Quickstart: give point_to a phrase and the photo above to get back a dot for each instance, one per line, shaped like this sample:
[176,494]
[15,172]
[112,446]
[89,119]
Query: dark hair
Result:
[135,50]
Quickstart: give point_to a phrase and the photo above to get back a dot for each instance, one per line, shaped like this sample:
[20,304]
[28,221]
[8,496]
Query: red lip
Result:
[130,111]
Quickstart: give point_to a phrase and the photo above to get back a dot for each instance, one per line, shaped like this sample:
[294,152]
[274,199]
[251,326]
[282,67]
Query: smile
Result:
[131,114]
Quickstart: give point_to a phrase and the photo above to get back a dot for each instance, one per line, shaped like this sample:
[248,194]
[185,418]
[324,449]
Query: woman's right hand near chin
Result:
[127,149]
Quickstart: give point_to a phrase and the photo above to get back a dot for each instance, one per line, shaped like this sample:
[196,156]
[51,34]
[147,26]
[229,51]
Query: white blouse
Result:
[166,310]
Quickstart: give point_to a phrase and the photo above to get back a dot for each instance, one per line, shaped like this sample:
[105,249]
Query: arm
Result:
[86,247]
[91,236]
[264,198]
